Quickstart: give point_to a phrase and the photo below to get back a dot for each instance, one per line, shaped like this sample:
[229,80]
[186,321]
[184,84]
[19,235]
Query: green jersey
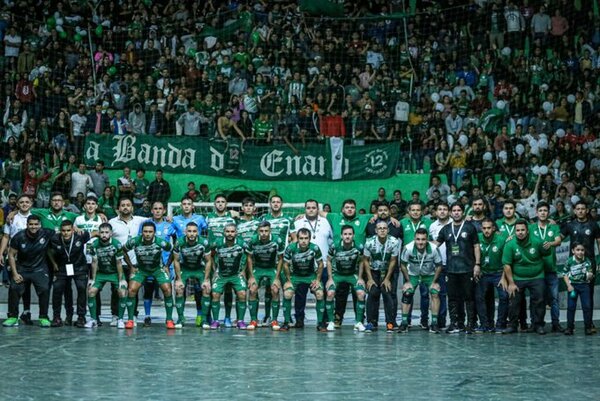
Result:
[247,228]
[265,254]
[228,260]
[380,255]
[281,226]
[191,255]
[504,227]
[345,261]
[106,253]
[547,234]
[149,256]
[409,228]
[141,189]
[577,270]
[358,222]
[216,225]
[53,220]
[302,262]
[261,129]
[525,258]
[491,252]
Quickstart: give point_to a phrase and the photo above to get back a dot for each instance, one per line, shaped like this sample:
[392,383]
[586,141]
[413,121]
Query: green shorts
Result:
[304,280]
[264,277]
[237,282]
[192,274]
[351,279]
[104,278]
[416,280]
[159,275]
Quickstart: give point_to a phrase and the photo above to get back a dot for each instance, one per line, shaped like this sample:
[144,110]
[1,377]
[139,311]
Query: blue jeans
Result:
[487,282]
[552,296]
[583,291]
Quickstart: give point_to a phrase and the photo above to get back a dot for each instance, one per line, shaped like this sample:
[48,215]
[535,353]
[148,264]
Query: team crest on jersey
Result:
[42,240]
[550,233]
[495,249]
[235,254]
[78,243]
[588,231]
[463,235]
[22,246]
[357,223]
[532,251]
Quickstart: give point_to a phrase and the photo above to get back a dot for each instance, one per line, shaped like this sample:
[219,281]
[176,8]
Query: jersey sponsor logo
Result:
[588,231]
[532,251]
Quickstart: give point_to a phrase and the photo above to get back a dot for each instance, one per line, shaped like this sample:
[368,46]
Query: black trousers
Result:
[62,286]
[41,282]
[461,297]
[537,290]
[341,300]
[68,295]
[300,301]
[375,293]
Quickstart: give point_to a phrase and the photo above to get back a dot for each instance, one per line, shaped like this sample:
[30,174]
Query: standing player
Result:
[228,270]
[442,213]
[344,265]
[247,223]
[191,256]
[148,251]
[106,253]
[302,264]
[265,259]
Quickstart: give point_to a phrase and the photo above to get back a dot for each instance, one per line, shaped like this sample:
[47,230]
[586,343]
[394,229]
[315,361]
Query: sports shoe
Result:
[359,327]
[275,325]
[557,328]
[69,321]
[331,326]
[170,325]
[389,328]
[44,322]
[434,329]
[80,323]
[26,318]
[266,322]
[299,324]
[540,330]
[242,325]
[179,324]
[147,321]
[321,328]
[90,324]
[214,325]
[403,328]
[285,327]
[568,332]
[199,319]
[252,325]
[130,324]
[114,321]
[468,330]
[510,330]
[120,324]
[337,323]
[11,322]
[593,328]
[452,329]
[227,323]
[56,322]
[424,325]
[479,330]
[369,328]
[205,325]
[589,331]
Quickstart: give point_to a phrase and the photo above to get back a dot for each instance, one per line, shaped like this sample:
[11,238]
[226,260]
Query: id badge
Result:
[455,250]
[486,260]
[70,270]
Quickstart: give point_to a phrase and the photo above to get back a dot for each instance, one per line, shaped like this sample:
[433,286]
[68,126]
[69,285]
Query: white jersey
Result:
[125,230]
[434,232]
[18,224]
[87,225]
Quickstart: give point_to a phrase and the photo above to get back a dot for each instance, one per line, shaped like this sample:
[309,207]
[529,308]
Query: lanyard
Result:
[422,259]
[542,233]
[415,227]
[70,247]
[458,233]
[485,250]
[313,228]
[384,248]
[508,230]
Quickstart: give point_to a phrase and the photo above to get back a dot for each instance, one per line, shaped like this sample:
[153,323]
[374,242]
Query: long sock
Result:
[206,306]
[287,310]
[253,304]
[122,307]
[320,310]
[92,306]
[130,307]
[360,311]
[275,307]
[269,304]
[329,309]
[240,309]
[169,307]
[228,302]
[147,306]
[434,319]
[180,304]
[215,307]
[405,318]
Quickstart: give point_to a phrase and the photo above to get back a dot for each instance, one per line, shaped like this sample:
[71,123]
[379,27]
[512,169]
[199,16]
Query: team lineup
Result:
[457,258]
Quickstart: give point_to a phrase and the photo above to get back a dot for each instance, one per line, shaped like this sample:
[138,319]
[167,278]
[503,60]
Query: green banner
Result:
[194,155]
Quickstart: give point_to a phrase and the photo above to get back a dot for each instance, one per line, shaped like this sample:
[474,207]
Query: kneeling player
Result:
[420,262]
[188,256]
[106,255]
[299,261]
[344,265]
[148,252]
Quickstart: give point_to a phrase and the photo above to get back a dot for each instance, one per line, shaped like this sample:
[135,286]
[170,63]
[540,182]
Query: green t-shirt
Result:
[345,261]
[525,258]
[549,234]
[302,262]
[141,189]
[106,254]
[262,128]
[12,170]
[191,255]
[228,260]
[409,228]
[577,270]
[51,220]
[281,226]
[265,254]
[216,225]
[149,256]
[358,222]
[504,227]
[247,228]
[491,252]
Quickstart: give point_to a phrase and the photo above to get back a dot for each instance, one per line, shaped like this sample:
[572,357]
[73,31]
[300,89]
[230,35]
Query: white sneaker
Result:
[359,327]
[90,324]
[205,325]
[120,324]
[330,326]
[114,321]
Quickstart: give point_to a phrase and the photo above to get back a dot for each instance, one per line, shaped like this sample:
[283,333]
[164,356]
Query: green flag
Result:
[595,5]
[322,7]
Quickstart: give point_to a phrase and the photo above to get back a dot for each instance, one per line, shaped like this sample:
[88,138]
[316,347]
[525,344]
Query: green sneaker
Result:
[44,322]
[199,321]
[11,322]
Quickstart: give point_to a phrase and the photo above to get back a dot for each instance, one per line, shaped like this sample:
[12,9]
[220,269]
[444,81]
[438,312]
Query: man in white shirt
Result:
[443,219]
[80,182]
[78,122]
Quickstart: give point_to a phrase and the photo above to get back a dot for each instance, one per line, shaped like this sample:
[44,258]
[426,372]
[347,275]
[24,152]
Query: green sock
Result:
[240,309]
[130,305]
[122,306]
[215,307]
[433,319]
[180,304]
[275,306]
[92,306]
[287,310]
[405,318]
[329,309]
[253,304]
[320,310]
[169,307]
[206,306]
[360,311]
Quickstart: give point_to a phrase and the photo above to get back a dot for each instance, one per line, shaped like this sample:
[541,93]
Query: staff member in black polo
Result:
[463,258]
[27,261]
[67,257]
